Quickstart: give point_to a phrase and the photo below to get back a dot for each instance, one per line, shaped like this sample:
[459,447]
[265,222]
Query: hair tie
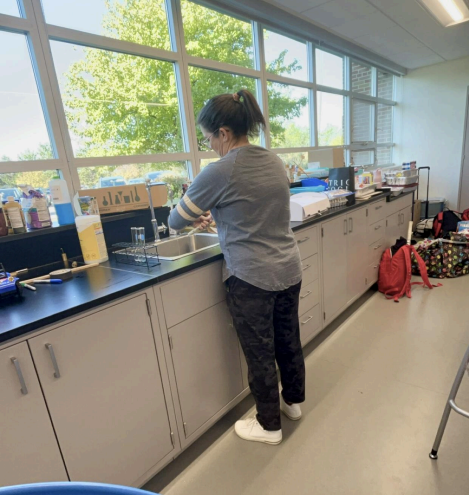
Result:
[235,96]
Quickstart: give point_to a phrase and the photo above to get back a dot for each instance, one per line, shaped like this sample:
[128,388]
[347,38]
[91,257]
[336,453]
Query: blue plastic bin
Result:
[71,488]
[313,182]
[298,190]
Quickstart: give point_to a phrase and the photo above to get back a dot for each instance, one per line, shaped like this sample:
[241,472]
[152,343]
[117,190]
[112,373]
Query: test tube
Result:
[134,235]
[141,244]
[134,241]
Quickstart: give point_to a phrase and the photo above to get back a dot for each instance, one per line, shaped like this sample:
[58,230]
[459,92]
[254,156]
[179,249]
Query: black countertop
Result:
[89,289]
[109,281]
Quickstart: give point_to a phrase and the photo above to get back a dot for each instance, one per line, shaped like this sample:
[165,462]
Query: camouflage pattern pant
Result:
[268,329]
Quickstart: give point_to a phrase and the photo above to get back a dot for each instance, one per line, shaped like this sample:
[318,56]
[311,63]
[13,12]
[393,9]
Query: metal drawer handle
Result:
[378,227]
[54,360]
[377,247]
[306,321]
[299,241]
[24,389]
[306,295]
[306,267]
[375,267]
[350,222]
[378,207]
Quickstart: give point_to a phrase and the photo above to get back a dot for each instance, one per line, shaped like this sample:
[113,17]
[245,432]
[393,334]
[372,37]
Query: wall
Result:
[429,124]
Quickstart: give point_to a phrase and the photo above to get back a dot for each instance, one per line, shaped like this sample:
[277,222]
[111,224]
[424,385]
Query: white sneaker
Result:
[250,429]
[292,412]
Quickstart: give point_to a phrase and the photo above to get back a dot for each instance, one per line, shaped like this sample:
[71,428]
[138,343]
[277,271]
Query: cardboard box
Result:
[118,199]
[328,158]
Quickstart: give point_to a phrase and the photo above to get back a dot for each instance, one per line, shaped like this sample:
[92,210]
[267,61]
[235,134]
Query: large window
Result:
[115,95]
[9,7]
[362,121]
[117,104]
[289,116]
[23,131]
[143,22]
[362,78]
[215,36]
[330,118]
[285,56]
[330,69]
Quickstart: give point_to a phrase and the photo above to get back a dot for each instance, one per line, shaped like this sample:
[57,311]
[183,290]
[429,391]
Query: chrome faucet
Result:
[172,232]
[156,228]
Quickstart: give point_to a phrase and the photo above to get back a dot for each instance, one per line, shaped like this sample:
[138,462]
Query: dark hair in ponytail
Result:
[239,112]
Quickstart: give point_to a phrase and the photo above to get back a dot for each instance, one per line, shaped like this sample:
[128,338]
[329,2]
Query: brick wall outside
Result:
[361,83]
[361,79]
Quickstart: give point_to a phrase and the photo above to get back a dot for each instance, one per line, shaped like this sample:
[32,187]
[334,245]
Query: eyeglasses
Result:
[206,142]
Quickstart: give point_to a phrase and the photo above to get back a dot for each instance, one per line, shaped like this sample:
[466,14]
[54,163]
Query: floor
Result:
[376,388]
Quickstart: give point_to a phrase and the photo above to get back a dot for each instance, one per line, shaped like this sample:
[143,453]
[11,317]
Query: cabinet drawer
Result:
[310,324]
[398,204]
[375,251]
[376,231]
[307,241]
[372,274]
[310,270]
[376,211]
[183,297]
[309,297]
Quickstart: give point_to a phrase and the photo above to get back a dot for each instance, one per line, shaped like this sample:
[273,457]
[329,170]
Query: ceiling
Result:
[399,30]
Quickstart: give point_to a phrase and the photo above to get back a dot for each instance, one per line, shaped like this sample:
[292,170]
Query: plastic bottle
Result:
[91,236]
[3,222]
[14,216]
[61,200]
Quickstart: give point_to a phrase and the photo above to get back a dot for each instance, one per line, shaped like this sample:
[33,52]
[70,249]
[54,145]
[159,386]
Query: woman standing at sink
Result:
[248,194]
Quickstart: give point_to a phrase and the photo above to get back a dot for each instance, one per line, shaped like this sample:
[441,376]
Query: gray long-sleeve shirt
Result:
[248,194]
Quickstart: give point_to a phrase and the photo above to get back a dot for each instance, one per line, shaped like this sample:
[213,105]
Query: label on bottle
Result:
[92,242]
[57,194]
[14,217]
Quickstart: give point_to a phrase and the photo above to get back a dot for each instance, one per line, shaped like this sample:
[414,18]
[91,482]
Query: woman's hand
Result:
[203,221]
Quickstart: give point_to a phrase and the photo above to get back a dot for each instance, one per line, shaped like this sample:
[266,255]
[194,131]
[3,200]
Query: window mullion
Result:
[262,91]
[49,78]
[184,88]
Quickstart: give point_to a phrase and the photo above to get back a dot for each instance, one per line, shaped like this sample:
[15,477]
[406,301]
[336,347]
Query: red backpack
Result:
[395,273]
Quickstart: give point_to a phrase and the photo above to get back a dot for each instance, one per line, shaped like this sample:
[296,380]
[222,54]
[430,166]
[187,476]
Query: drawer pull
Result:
[306,295]
[299,241]
[306,267]
[306,321]
[378,207]
[377,247]
[24,389]
[378,227]
[54,360]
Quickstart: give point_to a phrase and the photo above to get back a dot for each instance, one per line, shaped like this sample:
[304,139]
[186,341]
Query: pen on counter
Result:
[48,281]
[27,286]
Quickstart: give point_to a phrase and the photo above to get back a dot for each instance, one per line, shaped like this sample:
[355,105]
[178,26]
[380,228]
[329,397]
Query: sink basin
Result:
[185,245]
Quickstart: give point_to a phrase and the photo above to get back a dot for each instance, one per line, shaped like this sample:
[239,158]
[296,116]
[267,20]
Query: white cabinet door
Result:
[105,394]
[357,253]
[28,448]
[334,259]
[406,217]
[393,228]
[207,365]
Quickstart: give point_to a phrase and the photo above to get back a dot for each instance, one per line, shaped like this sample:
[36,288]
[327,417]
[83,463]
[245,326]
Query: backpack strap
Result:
[423,270]
[438,224]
